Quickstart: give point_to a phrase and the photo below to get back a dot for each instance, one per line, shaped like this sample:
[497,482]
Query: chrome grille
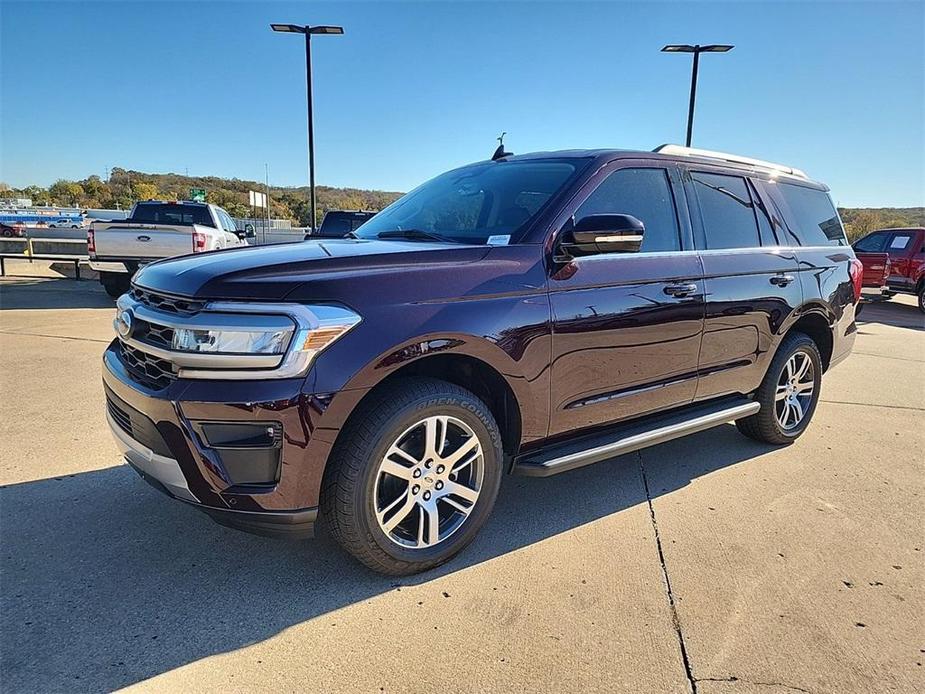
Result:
[146,369]
[154,334]
[168,304]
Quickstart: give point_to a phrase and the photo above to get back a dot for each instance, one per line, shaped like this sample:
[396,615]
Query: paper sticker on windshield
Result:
[499,240]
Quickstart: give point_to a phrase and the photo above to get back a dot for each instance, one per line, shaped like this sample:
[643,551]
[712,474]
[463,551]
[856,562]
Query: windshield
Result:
[471,204]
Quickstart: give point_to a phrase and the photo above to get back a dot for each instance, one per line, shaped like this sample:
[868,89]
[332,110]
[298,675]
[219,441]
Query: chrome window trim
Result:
[709,251]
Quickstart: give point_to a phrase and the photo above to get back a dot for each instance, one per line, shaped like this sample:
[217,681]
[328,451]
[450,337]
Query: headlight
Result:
[231,341]
[234,340]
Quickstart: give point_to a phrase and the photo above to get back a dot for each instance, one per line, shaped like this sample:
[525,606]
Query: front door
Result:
[627,326]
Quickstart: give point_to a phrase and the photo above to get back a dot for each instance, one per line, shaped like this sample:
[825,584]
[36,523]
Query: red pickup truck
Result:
[894,262]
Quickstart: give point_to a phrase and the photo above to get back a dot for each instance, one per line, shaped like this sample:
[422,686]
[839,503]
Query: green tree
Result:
[64,192]
[142,190]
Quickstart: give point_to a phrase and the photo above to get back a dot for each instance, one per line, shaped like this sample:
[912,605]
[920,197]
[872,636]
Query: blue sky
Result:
[413,88]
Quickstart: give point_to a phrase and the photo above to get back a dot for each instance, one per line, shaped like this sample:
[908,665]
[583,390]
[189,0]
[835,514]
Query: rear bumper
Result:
[108,266]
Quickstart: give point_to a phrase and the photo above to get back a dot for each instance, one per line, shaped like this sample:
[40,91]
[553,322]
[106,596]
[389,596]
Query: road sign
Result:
[197,194]
[256,199]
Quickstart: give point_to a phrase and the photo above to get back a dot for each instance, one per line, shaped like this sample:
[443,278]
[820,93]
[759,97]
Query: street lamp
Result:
[309,31]
[696,50]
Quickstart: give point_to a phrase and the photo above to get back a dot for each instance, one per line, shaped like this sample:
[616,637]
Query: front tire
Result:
[413,477]
[922,298]
[788,394]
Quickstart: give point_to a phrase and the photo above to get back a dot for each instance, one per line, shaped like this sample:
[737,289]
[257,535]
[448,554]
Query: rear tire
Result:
[922,298]
[116,283]
[393,496]
[788,394]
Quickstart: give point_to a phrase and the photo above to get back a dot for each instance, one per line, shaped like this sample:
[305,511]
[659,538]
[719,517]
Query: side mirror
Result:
[604,233]
[248,232]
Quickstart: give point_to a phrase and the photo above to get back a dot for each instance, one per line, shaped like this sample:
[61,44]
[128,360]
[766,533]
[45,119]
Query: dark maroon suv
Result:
[531,315]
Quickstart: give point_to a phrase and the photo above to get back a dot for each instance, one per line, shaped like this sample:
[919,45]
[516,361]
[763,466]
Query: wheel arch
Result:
[467,371]
[816,321]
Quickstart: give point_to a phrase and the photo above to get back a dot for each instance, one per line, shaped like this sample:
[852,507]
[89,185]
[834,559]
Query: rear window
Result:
[172,214]
[814,215]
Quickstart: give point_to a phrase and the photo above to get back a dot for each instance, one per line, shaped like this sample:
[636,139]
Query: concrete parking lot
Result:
[711,564]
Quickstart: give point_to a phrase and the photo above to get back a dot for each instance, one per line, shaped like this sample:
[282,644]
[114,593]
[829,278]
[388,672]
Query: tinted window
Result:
[159,213]
[644,194]
[726,210]
[478,201]
[872,243]
[816,220]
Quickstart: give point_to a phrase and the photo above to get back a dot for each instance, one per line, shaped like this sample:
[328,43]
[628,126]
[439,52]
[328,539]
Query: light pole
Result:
[308,31]
[696,50]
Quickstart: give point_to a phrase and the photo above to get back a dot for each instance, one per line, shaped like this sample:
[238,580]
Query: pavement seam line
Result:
[756,684]
[873,404]
[675,620]
[55,337]
[885,356]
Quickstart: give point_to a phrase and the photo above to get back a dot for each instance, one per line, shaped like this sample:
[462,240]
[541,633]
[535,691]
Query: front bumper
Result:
[166,448]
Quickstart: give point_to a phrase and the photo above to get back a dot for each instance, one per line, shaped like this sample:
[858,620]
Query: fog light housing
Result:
[249,452]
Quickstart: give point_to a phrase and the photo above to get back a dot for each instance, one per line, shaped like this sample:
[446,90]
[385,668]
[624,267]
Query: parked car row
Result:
[529,314]
[894,263]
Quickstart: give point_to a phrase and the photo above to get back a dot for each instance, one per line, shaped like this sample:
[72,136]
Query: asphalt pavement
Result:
[711,564]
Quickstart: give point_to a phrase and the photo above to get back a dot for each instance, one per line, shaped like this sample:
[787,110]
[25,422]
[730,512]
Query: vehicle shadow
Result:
[28,293]
[895,313]
[106,583]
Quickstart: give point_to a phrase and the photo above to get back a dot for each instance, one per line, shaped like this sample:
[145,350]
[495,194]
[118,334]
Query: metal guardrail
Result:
[28,253]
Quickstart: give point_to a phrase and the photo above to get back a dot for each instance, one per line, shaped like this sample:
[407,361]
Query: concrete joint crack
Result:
[675,620]
[789,687]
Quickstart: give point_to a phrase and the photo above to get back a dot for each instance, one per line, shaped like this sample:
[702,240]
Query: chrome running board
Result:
[632,437]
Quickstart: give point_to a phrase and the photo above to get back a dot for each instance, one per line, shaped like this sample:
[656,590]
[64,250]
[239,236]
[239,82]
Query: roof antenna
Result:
[500,153]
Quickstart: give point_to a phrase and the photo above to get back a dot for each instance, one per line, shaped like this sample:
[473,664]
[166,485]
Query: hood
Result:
[270,273]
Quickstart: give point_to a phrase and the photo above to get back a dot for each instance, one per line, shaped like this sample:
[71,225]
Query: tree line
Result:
[125,187]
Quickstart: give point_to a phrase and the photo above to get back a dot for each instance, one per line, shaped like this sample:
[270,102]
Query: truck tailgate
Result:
[127,240]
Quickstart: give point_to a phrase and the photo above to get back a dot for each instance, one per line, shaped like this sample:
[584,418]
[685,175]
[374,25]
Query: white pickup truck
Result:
[155,230]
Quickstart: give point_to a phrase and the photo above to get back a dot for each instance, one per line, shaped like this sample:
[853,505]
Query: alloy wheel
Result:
[428,482]
[795,389]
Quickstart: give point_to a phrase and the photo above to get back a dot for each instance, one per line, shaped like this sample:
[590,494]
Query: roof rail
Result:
[723,156]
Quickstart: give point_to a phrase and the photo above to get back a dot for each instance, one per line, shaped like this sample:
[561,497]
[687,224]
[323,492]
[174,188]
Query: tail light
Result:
[199,242]
[856,270]
[91,242]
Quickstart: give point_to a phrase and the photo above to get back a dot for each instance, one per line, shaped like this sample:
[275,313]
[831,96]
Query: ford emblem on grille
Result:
[144,238]
[124,323]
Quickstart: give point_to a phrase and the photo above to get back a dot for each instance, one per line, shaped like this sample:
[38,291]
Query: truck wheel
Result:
[413,477]
[788,394]
[922,298]
[116,283]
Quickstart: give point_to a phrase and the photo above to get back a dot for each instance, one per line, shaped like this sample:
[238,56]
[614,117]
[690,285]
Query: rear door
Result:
[627,326]
[870,252]
[902,247]
[751,281]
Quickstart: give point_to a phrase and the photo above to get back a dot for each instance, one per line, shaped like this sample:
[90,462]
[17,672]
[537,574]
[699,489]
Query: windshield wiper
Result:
[414,234]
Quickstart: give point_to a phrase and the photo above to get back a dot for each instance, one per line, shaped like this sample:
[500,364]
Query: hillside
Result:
[125,187]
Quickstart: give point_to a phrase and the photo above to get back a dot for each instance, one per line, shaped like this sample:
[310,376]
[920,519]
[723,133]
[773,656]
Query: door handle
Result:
[782,280]
[680,289]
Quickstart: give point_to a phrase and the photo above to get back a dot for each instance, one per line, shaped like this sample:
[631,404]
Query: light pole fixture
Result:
[696,50]
[308,31]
